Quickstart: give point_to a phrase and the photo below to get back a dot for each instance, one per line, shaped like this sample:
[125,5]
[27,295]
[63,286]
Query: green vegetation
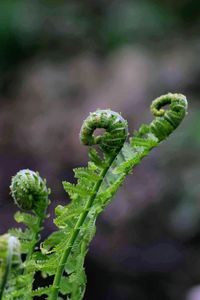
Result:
[61,256]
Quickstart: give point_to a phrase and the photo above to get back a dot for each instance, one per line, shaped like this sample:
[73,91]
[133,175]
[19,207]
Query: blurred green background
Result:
[59,60]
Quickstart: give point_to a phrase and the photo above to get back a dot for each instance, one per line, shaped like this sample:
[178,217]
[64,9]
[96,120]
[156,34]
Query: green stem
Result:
[35,238]
[31,251]
[8,266]
[70,243]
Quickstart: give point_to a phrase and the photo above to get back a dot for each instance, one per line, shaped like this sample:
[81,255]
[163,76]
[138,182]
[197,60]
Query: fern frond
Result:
[30,193]
[42,291]
[119,159]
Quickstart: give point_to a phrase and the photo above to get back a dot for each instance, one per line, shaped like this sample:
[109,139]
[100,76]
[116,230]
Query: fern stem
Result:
[36,238]
[9,257]
[80,222]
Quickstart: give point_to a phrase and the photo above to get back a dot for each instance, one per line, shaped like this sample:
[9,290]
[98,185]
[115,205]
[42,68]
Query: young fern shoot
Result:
[62,254]
[30,193]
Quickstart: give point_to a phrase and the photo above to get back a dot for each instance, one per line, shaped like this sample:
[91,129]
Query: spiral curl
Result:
[116,130]
[167,121]
[29,190]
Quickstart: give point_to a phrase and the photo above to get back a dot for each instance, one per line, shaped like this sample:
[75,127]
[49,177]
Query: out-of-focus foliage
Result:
[68,27]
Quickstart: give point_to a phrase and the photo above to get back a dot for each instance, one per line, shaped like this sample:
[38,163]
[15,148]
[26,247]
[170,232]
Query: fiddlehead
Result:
[10,258]
[29,191]
[116,130]
[167,121]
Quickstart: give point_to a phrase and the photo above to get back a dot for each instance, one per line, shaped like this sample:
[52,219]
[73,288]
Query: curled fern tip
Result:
[115,126]
[166,121]
[29,190]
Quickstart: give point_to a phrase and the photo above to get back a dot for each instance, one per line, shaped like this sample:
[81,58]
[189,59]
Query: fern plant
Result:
[61,256]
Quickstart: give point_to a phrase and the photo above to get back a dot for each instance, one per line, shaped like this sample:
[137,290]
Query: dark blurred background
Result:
[59,60]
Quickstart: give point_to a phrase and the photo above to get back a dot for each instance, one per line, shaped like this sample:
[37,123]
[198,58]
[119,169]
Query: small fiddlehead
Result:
[116,130]
[167,121]
[10,258]
[29,191]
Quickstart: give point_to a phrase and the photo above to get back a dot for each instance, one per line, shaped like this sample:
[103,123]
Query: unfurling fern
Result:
[30,193]
[61,256]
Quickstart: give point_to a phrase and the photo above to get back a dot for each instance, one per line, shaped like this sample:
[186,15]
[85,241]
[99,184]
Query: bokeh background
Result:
[59,60]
